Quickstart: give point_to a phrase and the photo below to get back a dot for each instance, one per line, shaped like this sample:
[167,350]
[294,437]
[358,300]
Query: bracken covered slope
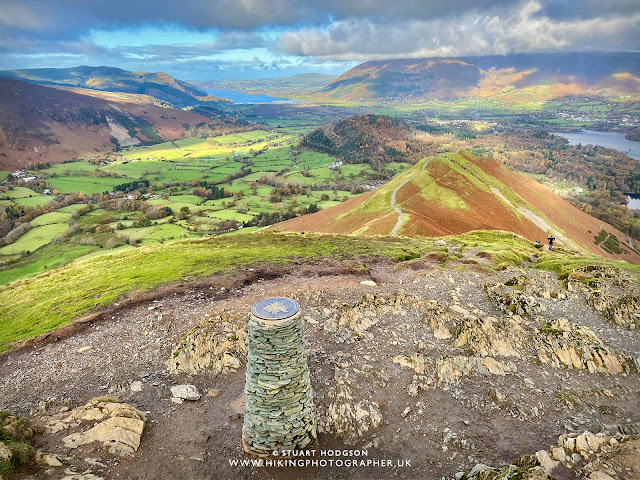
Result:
[455,193]
[40,123]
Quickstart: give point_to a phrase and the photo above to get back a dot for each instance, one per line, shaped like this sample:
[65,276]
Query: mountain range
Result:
[160,86]
[509,78]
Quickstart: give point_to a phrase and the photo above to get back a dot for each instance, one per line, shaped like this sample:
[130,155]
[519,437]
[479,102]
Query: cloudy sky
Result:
[213,39]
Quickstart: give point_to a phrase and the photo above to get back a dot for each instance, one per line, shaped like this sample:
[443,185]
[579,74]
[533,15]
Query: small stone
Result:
[5,453]
[136,386]
[369,283]
[186,392]
[198,457]
[177,400]
[479,468]
[546,462]
[558,453]
[600,475]
[213,392]
[73,475]
[47,459]
[406,412]
[84,349]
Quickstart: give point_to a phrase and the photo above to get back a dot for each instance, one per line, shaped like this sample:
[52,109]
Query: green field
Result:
[52,217]
[73,184]
[52,256]
[34,238]
[225,146]
[18,192]
[35,201]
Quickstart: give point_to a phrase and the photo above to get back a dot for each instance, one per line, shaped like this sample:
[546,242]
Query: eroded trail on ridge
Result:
[396,228]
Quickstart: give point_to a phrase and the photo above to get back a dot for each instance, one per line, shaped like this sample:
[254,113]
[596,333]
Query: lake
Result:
[606,139]
[633,203]
[241,97]
[613,140]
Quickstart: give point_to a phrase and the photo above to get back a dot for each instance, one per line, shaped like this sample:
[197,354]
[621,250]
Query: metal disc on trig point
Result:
[275,308]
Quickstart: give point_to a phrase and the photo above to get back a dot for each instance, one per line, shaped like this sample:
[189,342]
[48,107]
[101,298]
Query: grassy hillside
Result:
[111,79]
[38,305]
[455,193]
[43,124]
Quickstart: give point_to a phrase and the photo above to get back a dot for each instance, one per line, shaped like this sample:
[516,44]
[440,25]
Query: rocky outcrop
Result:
[482,335]
[117,426]
[613,293]
[536,286]
[568,345]
[121,435]
[218,345]
[449,370]
[625,312]
[364,314]
[586,455]
[15,449]
[512,301]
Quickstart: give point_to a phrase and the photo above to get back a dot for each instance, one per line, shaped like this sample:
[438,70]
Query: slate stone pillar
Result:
[279,414]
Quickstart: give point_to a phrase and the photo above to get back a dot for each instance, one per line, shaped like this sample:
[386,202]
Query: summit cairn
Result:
[279,414]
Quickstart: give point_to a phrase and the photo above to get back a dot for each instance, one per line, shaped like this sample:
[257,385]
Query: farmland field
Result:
[73,184]
[34,238]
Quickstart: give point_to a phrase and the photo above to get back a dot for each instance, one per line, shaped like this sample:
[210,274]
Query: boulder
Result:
[185,392]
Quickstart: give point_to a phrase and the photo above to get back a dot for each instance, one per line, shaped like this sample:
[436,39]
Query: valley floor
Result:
[359,341]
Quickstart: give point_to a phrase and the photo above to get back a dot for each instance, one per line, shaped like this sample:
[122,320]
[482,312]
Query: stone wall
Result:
[279,414]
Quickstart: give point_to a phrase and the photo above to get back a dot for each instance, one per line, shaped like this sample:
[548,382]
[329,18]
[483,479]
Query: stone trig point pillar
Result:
[279,414]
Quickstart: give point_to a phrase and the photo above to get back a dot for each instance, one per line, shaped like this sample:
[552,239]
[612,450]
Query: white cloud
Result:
[522,28]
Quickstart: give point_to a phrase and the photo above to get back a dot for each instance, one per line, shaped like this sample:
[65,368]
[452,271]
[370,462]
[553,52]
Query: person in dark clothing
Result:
[551,239]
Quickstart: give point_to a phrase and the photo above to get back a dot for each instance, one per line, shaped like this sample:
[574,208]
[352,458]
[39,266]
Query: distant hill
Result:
[302,84]
[44,124]
[452,194]
[158,85]
[511,78]
[373,139]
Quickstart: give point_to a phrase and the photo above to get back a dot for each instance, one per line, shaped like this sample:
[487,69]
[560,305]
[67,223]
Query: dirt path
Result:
[396,228]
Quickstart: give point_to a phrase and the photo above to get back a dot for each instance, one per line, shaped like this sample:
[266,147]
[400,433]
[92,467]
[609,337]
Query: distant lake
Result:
[613,140]
[240,97]
[634,202]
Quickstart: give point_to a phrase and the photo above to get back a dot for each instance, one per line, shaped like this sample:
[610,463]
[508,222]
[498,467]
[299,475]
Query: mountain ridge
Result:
[511,78]
[111,79]
[451,194]
[40,123]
